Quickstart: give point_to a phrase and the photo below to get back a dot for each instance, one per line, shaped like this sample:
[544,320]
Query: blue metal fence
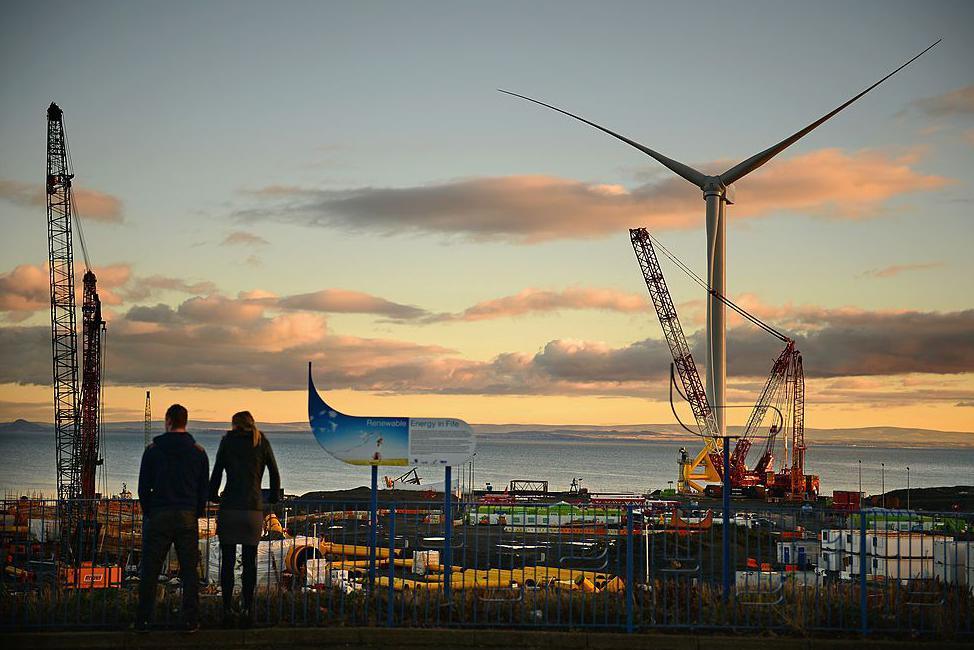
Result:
[627,566]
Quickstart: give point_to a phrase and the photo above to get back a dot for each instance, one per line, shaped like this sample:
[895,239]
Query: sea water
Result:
[27,464]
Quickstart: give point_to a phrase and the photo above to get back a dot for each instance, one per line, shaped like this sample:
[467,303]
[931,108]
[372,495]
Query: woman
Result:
[244,453]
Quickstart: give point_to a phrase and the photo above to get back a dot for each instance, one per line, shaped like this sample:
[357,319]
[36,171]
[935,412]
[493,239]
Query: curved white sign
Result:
[388,441]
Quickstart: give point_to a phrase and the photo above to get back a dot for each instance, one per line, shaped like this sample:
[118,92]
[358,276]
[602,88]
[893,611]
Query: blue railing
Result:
[620,566]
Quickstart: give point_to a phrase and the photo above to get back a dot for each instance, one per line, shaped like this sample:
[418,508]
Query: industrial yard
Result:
[753,545]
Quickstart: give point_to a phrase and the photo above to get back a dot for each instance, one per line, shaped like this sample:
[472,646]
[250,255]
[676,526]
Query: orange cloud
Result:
[347,302]
[109,280]
[828,183]
[896,269]
[833,184]
[26,288]
[98,206]
[91,204]
[541,301]
[243,238]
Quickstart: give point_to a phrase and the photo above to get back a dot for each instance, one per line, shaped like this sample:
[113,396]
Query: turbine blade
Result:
[744,168]
[678,168]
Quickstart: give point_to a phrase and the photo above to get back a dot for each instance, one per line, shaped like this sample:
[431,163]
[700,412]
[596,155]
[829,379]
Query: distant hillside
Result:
[538,433]
[23,426]
[865,436]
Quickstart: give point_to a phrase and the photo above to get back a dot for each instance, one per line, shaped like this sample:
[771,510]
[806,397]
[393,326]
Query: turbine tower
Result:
[718,192]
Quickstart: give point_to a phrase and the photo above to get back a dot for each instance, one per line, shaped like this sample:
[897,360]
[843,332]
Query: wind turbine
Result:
[718,191]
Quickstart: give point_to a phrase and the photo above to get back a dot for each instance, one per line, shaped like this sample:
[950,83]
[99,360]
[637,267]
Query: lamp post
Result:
[907,487]
[860,480]
[883,474]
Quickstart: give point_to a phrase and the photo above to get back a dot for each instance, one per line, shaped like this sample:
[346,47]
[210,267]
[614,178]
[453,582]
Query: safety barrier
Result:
[628,565]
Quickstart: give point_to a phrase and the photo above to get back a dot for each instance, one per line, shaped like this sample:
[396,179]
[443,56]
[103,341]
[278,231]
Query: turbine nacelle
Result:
[714,186]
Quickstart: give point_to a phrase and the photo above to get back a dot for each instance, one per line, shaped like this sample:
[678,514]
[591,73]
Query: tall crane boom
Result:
[673,332]
[707,465]
[64,338]
[778,375]
[91,333]
[802,485]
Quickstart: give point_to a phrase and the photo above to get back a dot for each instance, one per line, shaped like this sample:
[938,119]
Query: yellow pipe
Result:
[402,584]
[539,575]
[351,564]
[352,550]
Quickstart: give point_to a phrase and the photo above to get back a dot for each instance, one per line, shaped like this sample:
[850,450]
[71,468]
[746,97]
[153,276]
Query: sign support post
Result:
[447,531]
[373,524]
[397,442]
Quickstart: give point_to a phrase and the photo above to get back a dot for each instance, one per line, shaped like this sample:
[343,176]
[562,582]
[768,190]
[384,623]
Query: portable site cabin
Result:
[953,562]
[800,552]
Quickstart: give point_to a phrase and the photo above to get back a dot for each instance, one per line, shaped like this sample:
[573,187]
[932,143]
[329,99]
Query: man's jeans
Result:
[160,530]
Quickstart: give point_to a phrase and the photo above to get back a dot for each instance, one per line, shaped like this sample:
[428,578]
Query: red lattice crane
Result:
[92,328]
[784,393]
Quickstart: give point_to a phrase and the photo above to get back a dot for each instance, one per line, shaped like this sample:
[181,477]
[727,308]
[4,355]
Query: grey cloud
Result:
[160,313]
[141,288]
[959,102]
[256,353]
[866,343]
[586,362]
[530,209]
[525,209]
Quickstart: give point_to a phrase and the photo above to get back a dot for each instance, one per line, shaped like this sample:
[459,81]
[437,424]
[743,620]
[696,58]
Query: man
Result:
[173,486]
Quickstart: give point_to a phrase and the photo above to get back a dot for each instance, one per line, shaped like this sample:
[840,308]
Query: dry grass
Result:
[924,610]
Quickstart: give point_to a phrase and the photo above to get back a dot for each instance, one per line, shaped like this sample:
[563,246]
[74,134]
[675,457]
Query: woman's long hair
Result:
[244,421]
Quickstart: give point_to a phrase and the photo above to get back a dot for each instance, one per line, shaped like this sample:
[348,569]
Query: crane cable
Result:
[102,363]
[724,299]
[740,311]
[73,204]
[679,391]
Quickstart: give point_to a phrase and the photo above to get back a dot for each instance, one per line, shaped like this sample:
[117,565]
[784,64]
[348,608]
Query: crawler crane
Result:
[784,393]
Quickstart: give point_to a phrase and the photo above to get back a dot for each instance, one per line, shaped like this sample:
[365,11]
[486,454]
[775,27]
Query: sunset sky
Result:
[266,184]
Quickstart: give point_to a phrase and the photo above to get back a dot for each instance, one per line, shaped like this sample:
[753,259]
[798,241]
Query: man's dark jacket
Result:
[174,475]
